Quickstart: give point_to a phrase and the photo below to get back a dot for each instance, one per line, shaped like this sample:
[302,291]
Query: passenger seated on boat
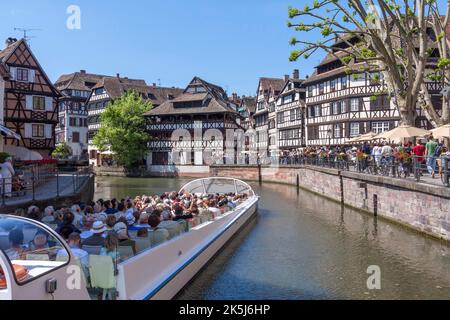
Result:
[122,212]
[97,238]
[124,239]
[156,235]
[99,214]
[181,215]
[74,242]
[110,222]
[17,250]
[89,218]
[40,241]
[48,215]
[34,213]
[167,223]
[110,247]
[213,209]
[68,222]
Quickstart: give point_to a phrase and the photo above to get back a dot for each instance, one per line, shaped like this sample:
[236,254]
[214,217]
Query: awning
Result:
[9,133]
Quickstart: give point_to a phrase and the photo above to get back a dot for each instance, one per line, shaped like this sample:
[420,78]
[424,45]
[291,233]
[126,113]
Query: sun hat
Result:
[98,227]
[121,230]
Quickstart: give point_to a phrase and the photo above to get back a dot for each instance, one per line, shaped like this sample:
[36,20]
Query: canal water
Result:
[301,246]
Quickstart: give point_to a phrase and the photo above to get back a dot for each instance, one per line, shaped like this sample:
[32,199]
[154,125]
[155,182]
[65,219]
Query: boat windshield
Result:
[30,249]
[217,186]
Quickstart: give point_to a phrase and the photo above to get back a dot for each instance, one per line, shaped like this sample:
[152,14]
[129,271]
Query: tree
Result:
[385,35]
[62,150]
[122,129]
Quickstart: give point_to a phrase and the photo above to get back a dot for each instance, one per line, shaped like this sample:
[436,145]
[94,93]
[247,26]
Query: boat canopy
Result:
[217,185]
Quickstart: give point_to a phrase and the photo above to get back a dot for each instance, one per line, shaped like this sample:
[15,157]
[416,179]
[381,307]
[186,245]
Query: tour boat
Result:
[159,272]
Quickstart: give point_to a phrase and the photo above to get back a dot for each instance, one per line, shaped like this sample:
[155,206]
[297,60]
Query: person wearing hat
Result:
[97,237]
[121,230]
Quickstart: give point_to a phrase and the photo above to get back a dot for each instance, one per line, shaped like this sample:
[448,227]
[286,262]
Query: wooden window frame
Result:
[36,132]
[36,106]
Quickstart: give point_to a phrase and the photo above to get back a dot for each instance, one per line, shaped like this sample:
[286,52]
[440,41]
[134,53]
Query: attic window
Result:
[151,96]
[188,104]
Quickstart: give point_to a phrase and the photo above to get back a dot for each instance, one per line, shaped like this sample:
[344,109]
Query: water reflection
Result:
[301,246]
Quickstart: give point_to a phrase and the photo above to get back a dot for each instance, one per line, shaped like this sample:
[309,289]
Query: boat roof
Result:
[217,185]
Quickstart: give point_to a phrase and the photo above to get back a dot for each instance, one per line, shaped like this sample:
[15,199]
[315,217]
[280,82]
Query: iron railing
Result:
[421,169]
[43,182]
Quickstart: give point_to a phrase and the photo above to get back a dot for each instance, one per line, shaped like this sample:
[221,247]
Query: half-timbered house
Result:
[30,101]
[341,106]
[110,88]
[265,114]
[290,118]
[72,125]
[189,131]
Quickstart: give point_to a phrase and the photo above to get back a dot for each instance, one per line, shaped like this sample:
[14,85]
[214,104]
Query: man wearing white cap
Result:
[97,239]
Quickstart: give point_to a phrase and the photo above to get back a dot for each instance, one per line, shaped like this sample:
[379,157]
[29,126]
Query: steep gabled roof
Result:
[77,81]
[10,49]
[275,84]
[213,99]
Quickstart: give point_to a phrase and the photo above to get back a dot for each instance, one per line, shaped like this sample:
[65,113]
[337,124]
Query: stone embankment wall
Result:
[425,208]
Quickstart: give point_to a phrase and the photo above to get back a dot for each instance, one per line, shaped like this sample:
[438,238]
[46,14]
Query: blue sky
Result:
[231,43]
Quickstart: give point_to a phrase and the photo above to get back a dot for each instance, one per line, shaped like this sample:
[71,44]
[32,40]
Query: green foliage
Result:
[4,156]
[347,59]
[62,150]
[326,31]
[294,56]
[443,63]
[123,128]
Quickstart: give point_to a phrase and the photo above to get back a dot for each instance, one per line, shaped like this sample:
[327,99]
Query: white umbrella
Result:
[441,132]
[402,132]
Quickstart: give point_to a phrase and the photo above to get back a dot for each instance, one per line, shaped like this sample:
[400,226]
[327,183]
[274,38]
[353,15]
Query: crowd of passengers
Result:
[112,223]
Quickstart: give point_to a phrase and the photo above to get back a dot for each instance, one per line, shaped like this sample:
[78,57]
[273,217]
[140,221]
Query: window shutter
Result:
[361,104]
[48,131]
[32,76]
[347,129]
[13,72]
[28,130]
[391,125]
[49,104]
[361,128]
[29,102]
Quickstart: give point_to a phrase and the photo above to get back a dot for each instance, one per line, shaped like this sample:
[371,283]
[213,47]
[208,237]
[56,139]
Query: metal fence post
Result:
[33,184]
[57,183]
[444,163]
[3,192]
[73,182]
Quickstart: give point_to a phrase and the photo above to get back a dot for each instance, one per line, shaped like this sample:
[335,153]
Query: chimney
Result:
[154,84]
[118,75]
[296,74]
[286,77]
[83,71]
[235,97]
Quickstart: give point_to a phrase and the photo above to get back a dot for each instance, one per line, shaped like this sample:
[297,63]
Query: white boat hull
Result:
[162,272]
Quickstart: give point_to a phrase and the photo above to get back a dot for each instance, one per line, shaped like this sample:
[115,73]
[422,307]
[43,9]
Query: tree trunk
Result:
[407,114]
[445,118]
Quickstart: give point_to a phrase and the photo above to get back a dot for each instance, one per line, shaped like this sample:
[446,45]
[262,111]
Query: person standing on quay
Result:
[7,172]
[430,151]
